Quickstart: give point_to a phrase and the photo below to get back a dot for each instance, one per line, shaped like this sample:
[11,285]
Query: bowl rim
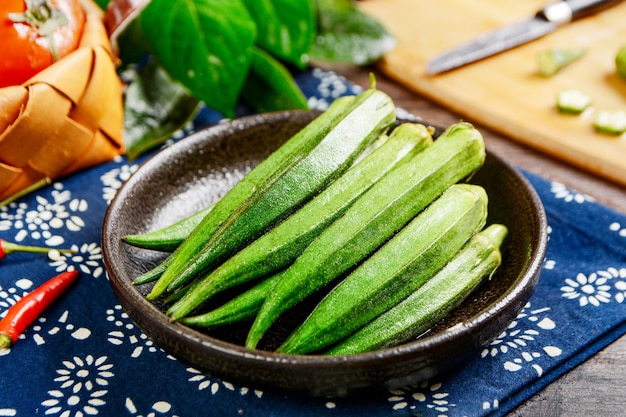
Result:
[517,292]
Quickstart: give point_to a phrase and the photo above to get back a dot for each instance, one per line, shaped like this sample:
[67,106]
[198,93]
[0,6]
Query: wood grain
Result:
[504,92]
[598,386]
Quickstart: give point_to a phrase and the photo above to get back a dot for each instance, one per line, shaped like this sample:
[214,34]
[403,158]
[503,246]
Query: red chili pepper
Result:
[23,313]
[8,247]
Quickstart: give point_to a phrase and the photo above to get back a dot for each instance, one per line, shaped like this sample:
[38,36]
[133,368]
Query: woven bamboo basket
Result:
[66,118]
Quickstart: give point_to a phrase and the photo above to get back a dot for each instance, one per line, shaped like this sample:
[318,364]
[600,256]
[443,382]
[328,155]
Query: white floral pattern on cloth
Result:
[63,326]
[423,396]
[523,341]
[127,333]
[114,178]
[9,296]
[568,195]
[549,263]
[597,287]
[46,218]
[159,408]
[82,387]
[618,228]
[205,382]
[86,258]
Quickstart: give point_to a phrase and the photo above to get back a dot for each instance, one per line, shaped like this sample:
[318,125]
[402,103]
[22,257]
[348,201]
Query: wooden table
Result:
[598,386]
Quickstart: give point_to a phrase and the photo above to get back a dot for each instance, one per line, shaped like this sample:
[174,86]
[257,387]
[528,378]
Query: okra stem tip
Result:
[372,81]
[496,233]
[152,295]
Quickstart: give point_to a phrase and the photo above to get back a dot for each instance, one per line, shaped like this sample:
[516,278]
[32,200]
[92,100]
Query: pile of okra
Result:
[377,211]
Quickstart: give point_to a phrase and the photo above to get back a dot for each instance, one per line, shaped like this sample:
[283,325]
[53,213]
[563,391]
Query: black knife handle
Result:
[565,11]
[582,8]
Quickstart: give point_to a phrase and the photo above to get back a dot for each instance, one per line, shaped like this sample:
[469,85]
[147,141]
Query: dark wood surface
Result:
[598,386]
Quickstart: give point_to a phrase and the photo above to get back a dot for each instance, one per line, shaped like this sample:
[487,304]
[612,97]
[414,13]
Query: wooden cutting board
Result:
[504,92]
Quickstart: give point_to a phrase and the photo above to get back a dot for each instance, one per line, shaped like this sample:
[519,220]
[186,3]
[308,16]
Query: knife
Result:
[545,21]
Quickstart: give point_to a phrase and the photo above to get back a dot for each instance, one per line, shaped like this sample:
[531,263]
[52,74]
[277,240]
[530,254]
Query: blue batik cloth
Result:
[85,357]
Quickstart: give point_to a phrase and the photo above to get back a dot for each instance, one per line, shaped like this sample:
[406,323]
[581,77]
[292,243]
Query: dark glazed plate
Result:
[201,168]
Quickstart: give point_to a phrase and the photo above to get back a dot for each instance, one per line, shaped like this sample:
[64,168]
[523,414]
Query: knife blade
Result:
[543,22]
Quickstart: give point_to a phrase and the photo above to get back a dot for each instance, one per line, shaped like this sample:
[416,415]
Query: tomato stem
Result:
[44,19]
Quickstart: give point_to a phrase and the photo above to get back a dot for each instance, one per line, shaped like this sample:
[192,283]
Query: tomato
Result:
[34,34]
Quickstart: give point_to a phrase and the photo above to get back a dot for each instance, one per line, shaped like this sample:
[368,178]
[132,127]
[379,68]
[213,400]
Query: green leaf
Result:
[285,28]
[155,107]
[102,3]
[270,86]
[204,44]
[132,44]
[347,35]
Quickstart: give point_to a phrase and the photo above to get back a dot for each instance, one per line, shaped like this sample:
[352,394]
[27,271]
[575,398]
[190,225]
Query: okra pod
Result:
[397,269]
[383,210]
[441,294]
[154,273]
[279,247]
[244,306]
[279,185]
[257,180]
[168,238]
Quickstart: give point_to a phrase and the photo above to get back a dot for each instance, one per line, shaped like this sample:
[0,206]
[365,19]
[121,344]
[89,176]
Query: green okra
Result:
[153,274]
[394,271]
[243,307]
[257,180]
[612,122]
[168,238]
[476,262]
[551,61]
[572,101]
[383,210]
[279,247]
[265,197]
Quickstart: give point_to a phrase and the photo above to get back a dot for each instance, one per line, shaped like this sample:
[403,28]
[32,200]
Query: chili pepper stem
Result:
[5,341]
[8,247]
[34,187]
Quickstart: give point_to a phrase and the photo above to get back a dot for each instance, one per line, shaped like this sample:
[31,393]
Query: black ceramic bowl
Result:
[201,168]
